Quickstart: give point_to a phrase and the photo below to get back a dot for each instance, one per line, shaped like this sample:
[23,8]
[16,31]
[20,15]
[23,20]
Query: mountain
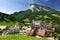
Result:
[35,7]
[38,12]
[6,18]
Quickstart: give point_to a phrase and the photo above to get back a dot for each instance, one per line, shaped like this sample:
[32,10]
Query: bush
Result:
[57,29]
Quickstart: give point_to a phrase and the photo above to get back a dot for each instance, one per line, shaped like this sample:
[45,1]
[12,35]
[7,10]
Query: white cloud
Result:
[30,1]
[46,0]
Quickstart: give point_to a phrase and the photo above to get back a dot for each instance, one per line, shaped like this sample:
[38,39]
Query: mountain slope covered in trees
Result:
[38,12]
[6,17]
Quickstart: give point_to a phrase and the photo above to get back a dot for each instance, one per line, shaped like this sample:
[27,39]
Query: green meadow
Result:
[6,23]
[19,37]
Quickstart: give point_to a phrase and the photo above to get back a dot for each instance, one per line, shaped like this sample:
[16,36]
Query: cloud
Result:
[30,1]
[46,0]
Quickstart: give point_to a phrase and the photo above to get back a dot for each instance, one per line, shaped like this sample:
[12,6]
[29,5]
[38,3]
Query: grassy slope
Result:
[6,23]
[19,37]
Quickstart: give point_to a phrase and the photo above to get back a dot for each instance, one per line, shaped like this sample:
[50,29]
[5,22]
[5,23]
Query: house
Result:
[42,29]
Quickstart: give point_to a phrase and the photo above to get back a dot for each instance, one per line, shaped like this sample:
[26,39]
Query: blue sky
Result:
[51,3]
[10,6]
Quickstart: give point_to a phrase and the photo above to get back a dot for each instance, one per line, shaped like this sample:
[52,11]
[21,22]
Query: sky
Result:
[10,6]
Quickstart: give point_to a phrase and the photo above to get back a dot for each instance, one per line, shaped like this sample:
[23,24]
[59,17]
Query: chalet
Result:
[41,29]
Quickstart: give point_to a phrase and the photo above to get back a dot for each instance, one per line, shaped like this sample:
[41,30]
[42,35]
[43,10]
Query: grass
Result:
[6,23]
[19,37]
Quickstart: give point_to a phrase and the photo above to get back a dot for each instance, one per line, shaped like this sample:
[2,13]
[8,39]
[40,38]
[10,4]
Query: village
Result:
[37,29]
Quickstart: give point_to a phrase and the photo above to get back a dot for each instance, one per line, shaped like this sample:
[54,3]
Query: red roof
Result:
[41,32]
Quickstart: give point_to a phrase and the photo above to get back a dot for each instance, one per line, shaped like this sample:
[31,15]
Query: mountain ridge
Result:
[46,8]
[35,12]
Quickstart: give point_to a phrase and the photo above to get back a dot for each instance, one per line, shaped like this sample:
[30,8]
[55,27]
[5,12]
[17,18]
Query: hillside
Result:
[38,12]
[6,19]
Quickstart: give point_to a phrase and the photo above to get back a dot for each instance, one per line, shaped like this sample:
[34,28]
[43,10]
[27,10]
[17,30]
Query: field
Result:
[6,23]
[19,37]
